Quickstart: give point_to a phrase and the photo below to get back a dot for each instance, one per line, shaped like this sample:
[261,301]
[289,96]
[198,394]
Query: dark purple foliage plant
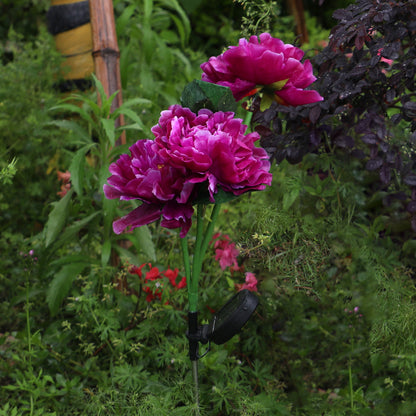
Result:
[366,75]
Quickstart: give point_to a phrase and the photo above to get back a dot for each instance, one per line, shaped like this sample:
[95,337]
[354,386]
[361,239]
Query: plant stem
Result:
[247,119]
[192,278]
[351,386]
[199,253]
[195,377]
[29,343]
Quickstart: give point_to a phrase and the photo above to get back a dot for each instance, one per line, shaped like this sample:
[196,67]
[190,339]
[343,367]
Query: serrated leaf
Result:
[61,284]
[57,218]
[78,131]
[77,168]
[70,259]
[74,109]
[109,127]
[199,94]
[135,117]
[145,242]
[68,234]
[128,255]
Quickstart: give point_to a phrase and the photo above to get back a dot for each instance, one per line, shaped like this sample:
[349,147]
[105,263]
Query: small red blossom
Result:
[151,286]
[172,275]
[250,283]
[65,177]
[226,252]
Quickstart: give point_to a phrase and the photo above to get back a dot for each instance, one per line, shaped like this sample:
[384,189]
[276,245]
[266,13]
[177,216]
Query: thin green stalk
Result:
[196,384]
[29,344]
[210,228]
[199,253]
[192,300]
[351,387]
[247,119]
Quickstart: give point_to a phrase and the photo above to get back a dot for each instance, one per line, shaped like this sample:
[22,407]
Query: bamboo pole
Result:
[106,54]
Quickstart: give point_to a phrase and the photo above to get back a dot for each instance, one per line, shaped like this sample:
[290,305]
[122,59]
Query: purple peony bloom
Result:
[267,65]
[212,147]
[208,149]
[163,189]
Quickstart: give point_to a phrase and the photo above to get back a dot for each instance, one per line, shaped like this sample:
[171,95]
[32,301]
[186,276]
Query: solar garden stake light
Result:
[231,317]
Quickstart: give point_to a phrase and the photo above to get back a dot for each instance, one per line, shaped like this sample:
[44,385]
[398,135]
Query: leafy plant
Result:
[154,62]
[74,215]
[363,75]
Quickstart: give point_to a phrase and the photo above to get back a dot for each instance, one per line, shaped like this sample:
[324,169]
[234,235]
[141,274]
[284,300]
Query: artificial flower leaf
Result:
[276,86]
[220,197]
[199,94]
[266,102]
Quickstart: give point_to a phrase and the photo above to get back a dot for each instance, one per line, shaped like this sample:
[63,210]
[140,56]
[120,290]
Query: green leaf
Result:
[289,198]
[68,234]
[105,252]
[123,20]
[74,109]
[71,259]
[109,127]
[81,135]
[133,116]
[128,255]
[56,219]
[220,197]
[266,101]
[130,103]
[142,241]
[109,210]
[61,284]
[199,94]
[77,168]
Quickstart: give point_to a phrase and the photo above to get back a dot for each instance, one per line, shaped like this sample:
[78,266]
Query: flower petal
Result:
[144,214]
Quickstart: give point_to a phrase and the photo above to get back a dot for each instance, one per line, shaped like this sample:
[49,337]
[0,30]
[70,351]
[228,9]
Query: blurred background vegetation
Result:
[335,332]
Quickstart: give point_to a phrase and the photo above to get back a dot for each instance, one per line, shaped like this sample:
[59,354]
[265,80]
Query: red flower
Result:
[65,177]
[250,283]
[226,253]
[172,275]
[155,290]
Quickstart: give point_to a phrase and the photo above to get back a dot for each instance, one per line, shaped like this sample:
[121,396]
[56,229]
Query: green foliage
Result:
[334,332]
[74,214]
[258,16]
[155,62]
[200,94]
[23,16]
[7,173]
[22,136]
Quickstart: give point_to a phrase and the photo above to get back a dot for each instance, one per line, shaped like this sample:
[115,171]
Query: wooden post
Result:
[296,8]
[106,53]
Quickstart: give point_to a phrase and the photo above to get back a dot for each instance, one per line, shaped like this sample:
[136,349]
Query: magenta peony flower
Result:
[212,147]
[267,65]
[191,152]
[163,189]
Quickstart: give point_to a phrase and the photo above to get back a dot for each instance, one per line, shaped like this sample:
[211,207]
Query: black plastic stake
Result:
[193,335]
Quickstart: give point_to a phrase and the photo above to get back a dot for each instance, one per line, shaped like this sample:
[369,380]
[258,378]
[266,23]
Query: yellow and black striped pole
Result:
[85,34]
[69,23]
